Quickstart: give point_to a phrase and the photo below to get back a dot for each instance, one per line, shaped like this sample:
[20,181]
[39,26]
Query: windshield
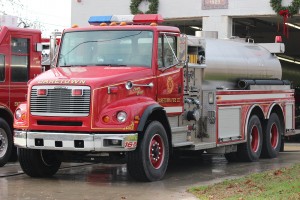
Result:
[106,48]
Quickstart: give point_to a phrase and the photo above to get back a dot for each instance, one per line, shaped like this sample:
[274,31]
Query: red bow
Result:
[285,14]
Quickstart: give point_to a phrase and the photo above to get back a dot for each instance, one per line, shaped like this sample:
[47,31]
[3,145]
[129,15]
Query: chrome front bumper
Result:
[75,141]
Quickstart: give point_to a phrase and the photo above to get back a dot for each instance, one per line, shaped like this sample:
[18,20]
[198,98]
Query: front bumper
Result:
[76,141]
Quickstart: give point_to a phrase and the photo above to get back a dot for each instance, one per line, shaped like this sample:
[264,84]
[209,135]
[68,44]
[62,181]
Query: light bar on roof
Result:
[137,19]
[96,20]
[148,18]
[122,18]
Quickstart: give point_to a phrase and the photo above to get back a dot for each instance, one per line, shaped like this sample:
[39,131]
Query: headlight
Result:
[18,114]
[121,116]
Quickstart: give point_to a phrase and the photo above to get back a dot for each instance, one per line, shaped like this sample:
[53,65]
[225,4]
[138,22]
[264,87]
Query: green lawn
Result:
[282,184]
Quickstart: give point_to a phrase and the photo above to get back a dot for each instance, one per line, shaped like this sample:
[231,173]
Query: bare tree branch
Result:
[16,8]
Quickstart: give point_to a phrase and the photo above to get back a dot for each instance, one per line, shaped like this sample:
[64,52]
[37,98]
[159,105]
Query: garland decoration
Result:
[153,7]
[291,9]
[285,11]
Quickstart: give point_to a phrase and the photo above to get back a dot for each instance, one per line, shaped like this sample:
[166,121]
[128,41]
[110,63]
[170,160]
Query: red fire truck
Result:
[20,60]
[123,89]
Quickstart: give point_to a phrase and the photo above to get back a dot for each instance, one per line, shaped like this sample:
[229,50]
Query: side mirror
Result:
[182,51]
[38,47]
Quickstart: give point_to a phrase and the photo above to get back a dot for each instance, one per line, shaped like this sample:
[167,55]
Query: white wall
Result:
[81,10]
[213,20]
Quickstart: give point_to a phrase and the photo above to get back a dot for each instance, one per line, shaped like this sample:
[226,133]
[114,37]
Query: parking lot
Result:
[103,181]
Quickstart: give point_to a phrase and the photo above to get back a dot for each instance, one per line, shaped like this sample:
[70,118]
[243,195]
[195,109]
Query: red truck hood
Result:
[93,76]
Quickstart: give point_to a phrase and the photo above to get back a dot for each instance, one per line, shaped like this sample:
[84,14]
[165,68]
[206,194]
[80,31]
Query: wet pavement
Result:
[109,182]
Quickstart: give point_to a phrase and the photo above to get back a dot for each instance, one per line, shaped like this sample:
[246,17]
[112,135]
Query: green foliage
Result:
[293,8]
[153,7]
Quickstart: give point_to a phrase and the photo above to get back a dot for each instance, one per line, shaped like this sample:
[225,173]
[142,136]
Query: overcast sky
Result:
[53,14]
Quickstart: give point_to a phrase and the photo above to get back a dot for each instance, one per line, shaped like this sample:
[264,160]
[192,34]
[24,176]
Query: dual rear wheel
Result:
[272,137]
[262,141]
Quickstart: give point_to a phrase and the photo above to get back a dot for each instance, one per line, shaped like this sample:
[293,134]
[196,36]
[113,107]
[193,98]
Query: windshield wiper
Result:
[111,65]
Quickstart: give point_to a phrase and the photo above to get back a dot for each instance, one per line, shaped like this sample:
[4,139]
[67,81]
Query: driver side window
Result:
[166,51]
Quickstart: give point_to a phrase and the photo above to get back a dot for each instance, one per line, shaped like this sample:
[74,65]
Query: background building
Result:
[253,19]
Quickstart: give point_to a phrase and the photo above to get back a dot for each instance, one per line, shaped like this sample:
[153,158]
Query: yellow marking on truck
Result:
[61,82]
[123,83]
[131,138]
[130,127]
[168,100]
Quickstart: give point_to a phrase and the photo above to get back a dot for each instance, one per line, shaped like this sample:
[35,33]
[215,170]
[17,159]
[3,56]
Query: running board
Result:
[182,144]
[180,137]
[203,146]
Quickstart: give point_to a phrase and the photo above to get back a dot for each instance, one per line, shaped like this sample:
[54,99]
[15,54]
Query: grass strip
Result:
[283,183]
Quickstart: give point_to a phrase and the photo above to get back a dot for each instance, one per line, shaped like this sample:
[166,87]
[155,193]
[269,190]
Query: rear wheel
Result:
[150,160]
[251,150]
[6,142]
[272,137]
[39,163]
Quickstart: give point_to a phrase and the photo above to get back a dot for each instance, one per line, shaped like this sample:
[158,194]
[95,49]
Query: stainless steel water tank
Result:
[229,60]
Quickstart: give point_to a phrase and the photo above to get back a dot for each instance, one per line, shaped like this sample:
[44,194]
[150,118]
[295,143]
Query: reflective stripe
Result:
[173,109]
[253,96]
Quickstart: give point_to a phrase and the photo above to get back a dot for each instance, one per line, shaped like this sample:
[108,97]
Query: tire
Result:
[6,142]
[13,155]
[150,160]
[272,137]
[251,150]
[39,163]
[282,144]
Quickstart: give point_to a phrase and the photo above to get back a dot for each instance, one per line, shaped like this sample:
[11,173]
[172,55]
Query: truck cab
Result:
[20,61]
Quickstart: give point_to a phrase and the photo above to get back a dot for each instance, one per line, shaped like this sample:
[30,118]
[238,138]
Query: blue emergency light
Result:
[96,20]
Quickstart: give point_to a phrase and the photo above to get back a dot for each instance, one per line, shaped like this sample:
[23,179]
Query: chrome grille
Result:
[60,102]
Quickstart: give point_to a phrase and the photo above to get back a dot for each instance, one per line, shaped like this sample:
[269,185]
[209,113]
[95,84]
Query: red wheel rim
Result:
[274,136]
[156,151]
[254,139]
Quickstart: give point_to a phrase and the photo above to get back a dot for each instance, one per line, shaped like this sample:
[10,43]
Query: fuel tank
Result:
[227,61]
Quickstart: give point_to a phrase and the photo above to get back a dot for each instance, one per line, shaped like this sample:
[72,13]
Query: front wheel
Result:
[272,137]
[39,163]
[150,160]
[6,142]
[251,150]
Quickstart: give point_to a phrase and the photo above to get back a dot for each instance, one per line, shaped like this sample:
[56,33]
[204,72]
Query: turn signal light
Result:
[105,119]
[77,92]
[42,92]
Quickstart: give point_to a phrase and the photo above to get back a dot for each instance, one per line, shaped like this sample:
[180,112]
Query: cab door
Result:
[4,83]
[19,69]
[170,78]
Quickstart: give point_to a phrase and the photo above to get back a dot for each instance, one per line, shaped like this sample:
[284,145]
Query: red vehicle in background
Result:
[20,61]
